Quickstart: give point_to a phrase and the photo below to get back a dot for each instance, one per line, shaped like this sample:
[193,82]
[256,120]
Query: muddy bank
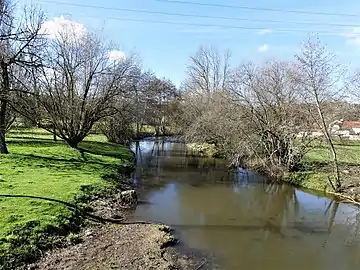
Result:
[121,244]
[131,246]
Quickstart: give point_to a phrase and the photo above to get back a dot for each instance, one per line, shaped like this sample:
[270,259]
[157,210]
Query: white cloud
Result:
[115,55]
[60,26]
[264,31]
[353,36]
[263,48]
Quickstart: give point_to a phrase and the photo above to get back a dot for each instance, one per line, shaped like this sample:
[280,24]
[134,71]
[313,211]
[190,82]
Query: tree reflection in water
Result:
[234,213]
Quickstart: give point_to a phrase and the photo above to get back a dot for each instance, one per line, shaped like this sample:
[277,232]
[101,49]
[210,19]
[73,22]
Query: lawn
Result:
[38,166]
[316,166]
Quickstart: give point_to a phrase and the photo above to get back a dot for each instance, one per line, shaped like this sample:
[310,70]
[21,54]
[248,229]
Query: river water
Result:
[243,222]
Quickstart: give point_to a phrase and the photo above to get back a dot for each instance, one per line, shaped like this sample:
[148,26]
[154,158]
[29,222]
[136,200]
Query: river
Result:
[243,222]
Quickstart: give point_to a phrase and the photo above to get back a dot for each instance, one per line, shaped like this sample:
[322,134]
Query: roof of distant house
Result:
[351,124]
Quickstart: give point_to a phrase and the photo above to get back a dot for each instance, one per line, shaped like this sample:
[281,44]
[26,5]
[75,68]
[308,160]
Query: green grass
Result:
[309,180]
[38,166]
[316,166]
[205,149]
[347,154]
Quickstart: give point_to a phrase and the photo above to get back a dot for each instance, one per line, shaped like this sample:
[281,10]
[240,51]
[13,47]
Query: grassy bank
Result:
[202,149]
[38,166]
[316,168]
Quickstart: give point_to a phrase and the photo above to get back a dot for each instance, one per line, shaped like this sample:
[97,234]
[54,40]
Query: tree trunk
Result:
[331,147]
[162,126]
[3,106]
[73,143]
[137,113]
[137,127]
[54,134]
[157,131]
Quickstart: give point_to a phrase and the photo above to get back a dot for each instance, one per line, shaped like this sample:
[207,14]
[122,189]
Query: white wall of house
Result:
[356,130]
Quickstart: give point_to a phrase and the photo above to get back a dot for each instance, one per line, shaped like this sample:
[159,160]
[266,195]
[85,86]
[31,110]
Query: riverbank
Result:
[202,149]
[68,204]
[47,186]
[123,244]
[135,246]
[316,169]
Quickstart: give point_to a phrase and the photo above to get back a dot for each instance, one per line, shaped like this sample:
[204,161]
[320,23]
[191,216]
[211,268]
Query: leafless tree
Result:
[272,114]
[160,93]
[148,101]
[254,114]
[78,85]
[9,118]
[20,46]
[320,78]
[119,128]
[208,72]
[140,98]
[353,89]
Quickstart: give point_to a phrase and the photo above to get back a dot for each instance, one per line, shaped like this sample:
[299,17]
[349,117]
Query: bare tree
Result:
[20,44]
[118,128]
[353,108]
[208,72]
[78,85]
[9,118]
[147,101]
[159,94]
[320,79]
[272,115]
[140,98]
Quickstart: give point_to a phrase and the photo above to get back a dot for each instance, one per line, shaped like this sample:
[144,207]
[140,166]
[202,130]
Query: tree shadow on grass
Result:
[66,164]
[104,149]
[35,143]
[93,161]
[70,206]
[112,173]
[90,147]
[31,139]
[20,130]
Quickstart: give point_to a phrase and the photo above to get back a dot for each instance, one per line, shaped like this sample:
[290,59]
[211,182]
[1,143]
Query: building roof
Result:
[351,124]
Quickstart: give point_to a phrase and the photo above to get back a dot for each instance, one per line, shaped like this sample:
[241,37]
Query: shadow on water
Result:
[245,222]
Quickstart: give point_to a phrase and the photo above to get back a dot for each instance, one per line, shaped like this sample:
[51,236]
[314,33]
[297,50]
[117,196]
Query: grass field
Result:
[38,166]
[316,167]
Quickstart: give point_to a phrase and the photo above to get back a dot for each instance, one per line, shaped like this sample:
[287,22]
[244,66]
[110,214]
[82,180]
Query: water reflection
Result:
[245,222]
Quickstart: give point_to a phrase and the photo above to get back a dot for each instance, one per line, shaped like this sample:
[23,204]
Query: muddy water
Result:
[245,223]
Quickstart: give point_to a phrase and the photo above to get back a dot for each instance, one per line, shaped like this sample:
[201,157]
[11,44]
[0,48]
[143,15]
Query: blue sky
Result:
[166,48]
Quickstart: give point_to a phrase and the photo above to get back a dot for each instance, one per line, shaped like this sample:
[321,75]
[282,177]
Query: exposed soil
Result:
[133,246]
[128,246]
